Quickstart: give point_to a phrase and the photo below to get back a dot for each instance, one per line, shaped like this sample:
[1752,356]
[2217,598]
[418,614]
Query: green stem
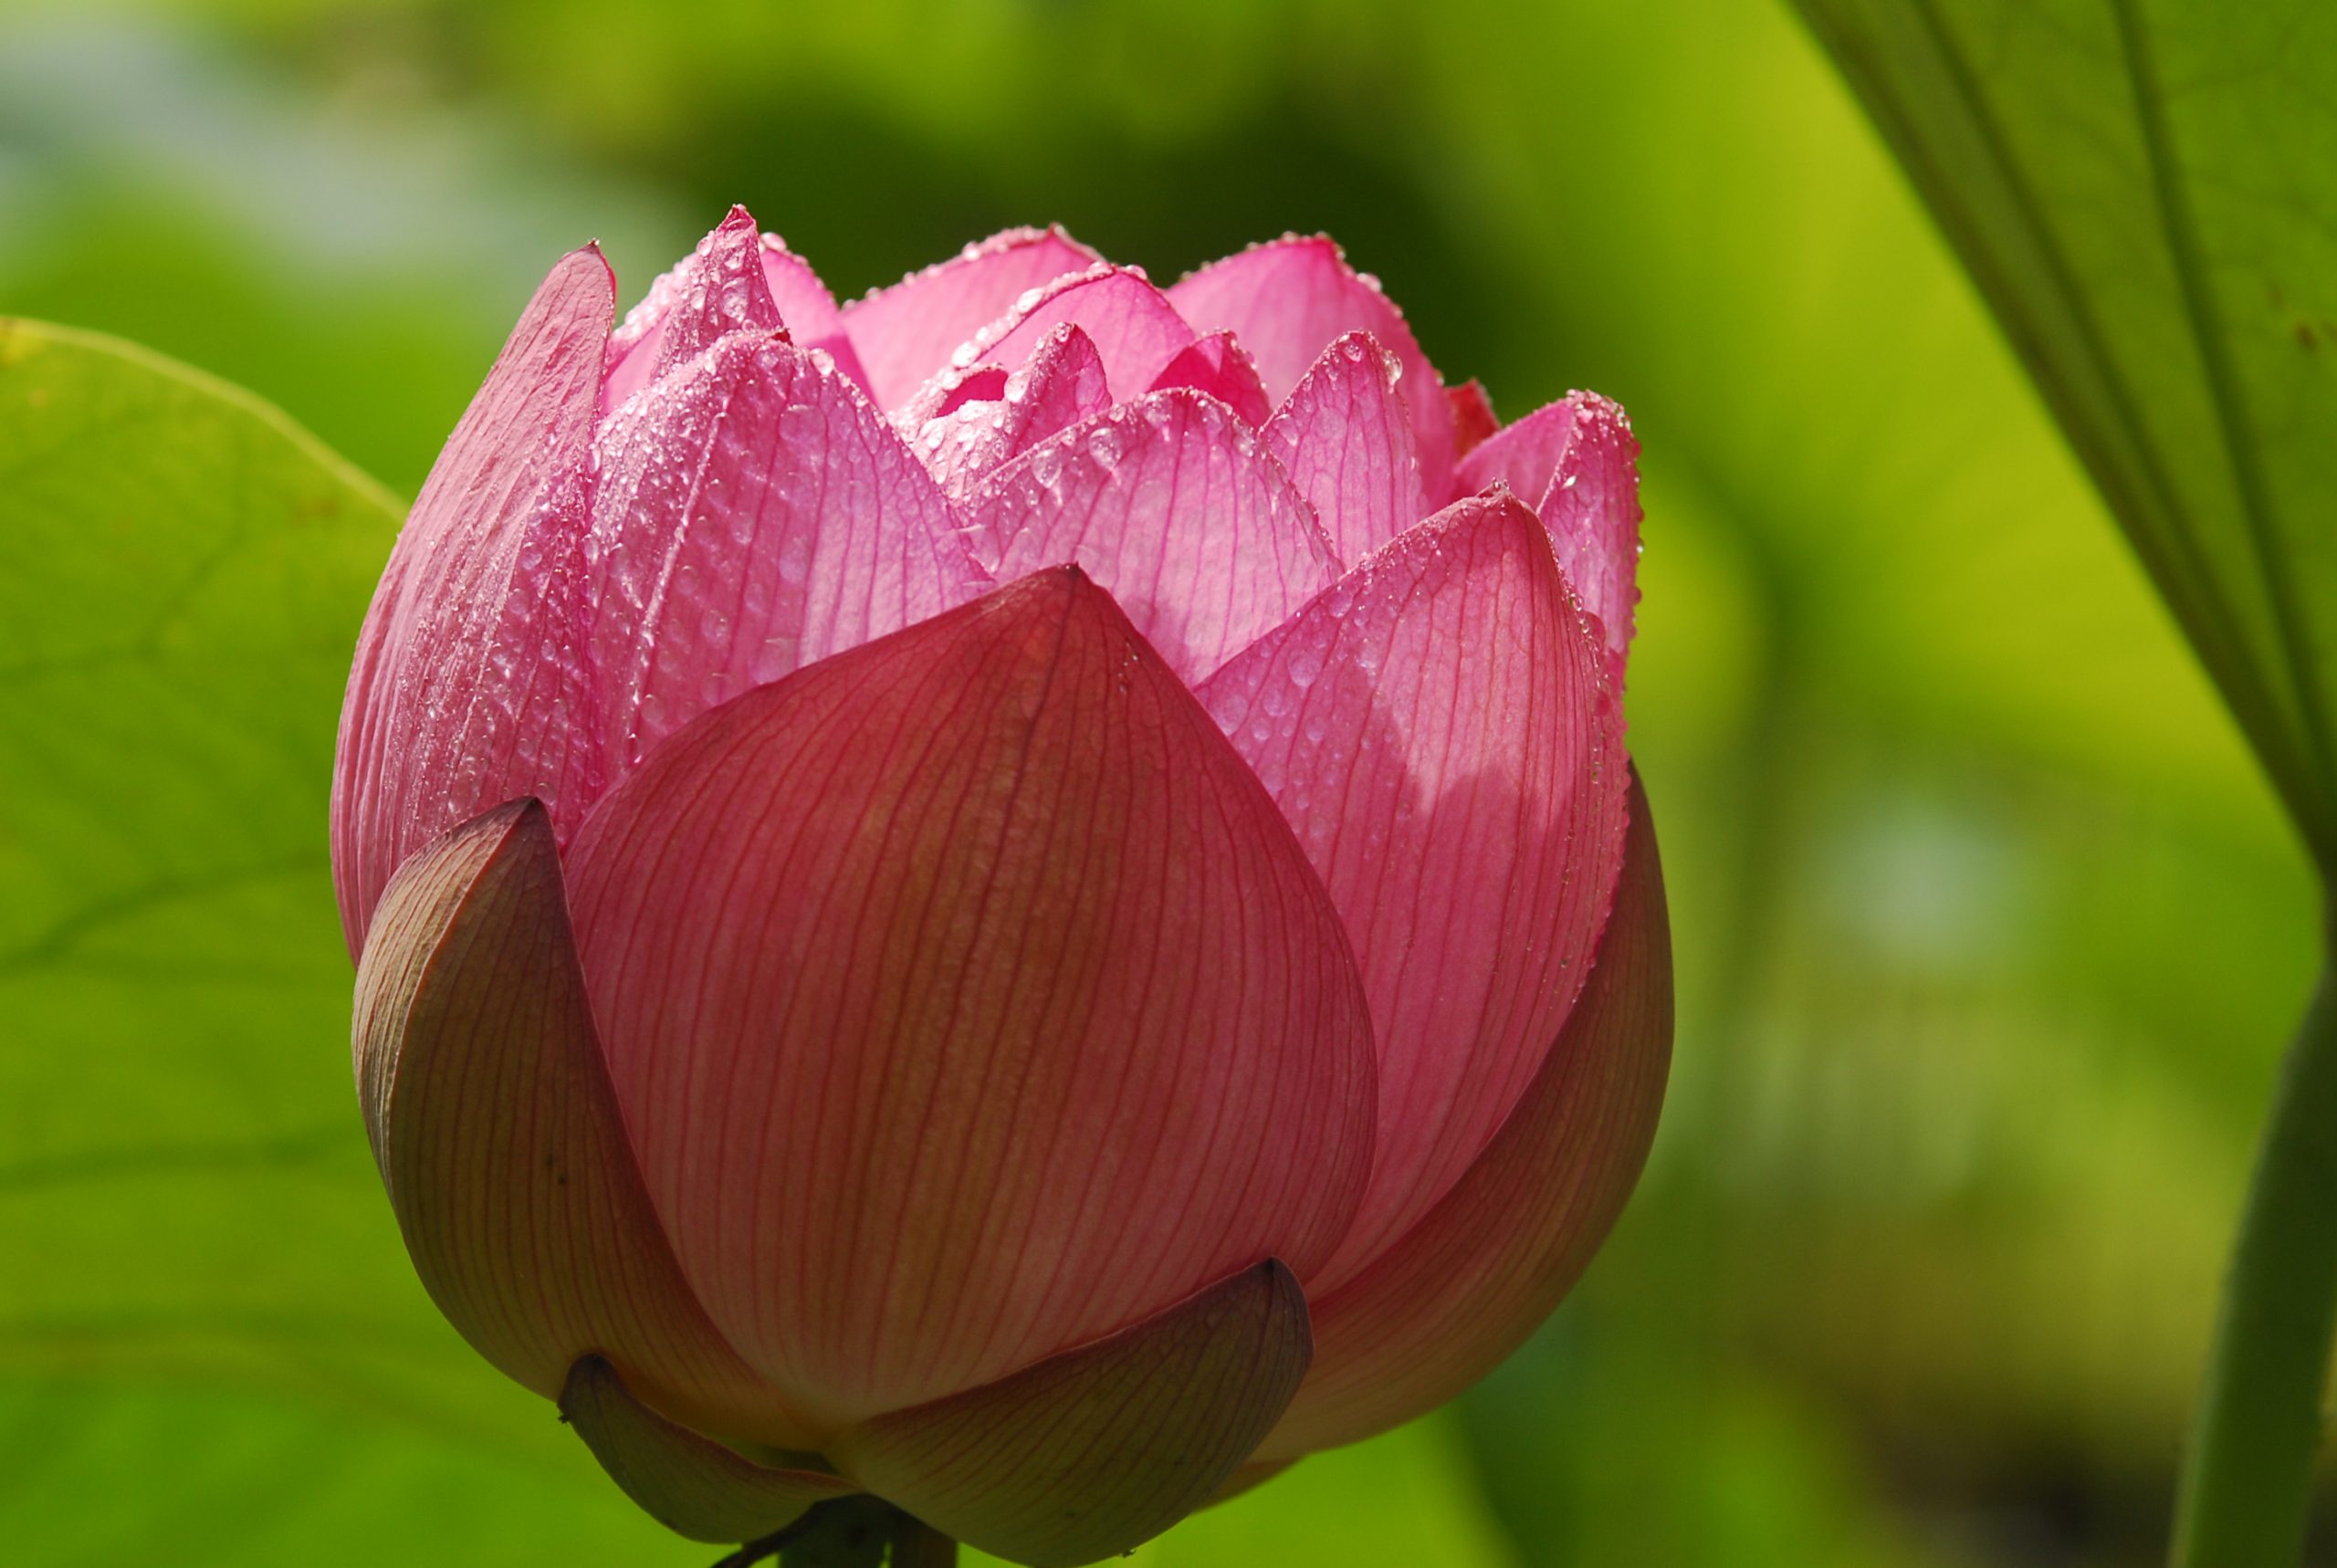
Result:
[2247,1478]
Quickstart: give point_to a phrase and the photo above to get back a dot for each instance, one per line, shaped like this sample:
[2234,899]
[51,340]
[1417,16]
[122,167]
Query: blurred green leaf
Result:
[191,1235]
[2142,188]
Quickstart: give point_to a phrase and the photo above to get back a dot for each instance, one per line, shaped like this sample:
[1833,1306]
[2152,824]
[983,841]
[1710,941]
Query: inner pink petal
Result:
[904,334]
[1135,330]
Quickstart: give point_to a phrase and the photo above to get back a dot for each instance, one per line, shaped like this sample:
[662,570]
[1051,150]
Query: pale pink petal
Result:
[687,1482]
[468,687]
[905,334]
[718,289]
[1171,504]
[1346,440]
[1577,462]
[968,999]
[807,309]
[500,1139]
[1287,299]
[1219,366]
[1092,1453]
[1137,332]
[1472,417]
[1463,1288]
[754,513]
[1438,731]
[983,418]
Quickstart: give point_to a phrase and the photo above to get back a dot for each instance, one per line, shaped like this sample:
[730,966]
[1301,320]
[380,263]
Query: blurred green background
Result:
[1988,931]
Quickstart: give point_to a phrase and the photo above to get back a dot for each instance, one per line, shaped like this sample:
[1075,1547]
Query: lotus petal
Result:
[1346,440]
[1090,1454]
[969,999]
[1135,330]
[718,289]
[1464,1287]
[469,688]
[1472,417]
[1288,300]
[691,1484]
[984,418]
[905,334]
[1437,730]
[1219,366]
[1578,461]
[501,1141]
[754,515]
[1171,503]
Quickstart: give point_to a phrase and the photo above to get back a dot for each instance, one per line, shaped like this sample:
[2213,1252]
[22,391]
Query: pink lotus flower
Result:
[1024,896]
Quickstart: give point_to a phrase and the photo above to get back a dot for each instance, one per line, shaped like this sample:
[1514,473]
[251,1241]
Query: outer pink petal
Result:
[1437,730]
[1288,300]
[1579,462]
[754,515]
[469,688]
[968,999]
[718,289]
[1133,327]
[1171,503]
[500,1139]
[905,334]
[983,419]
[1464,1287]
[1090,1454]
[1346,439]
[1219,366]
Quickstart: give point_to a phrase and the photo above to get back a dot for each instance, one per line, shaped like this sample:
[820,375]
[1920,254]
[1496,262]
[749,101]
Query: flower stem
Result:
[2248,1477]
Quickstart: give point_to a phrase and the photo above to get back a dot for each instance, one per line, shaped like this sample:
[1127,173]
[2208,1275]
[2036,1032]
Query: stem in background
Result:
[2248,1477]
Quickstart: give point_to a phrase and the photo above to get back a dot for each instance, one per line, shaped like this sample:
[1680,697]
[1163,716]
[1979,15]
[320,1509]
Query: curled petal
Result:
[904,334]
[969,999]
[1436,729]
[469,688]
[1171,504]
[1219,366]
[1578,461]
[983,418]
[718,288]
[1090,1454]
[1137,332]
[1287,299]
[1346,440]
[1463,1288]
[754,515]
[691,1484]
[500,1139]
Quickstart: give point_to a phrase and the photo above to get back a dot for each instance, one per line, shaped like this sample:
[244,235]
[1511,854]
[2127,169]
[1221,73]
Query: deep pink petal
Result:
[968,999]
[468,687]
[983,418]
[1472,417]
[1287,299]
[1463,1288]
[1137,332]
[499,1136]
[1171,504]
[1437,730]
[1219,366]
[1096,1451]
[905,334]
[718,289]
[754,513]
[1577,462]
[1346,440]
